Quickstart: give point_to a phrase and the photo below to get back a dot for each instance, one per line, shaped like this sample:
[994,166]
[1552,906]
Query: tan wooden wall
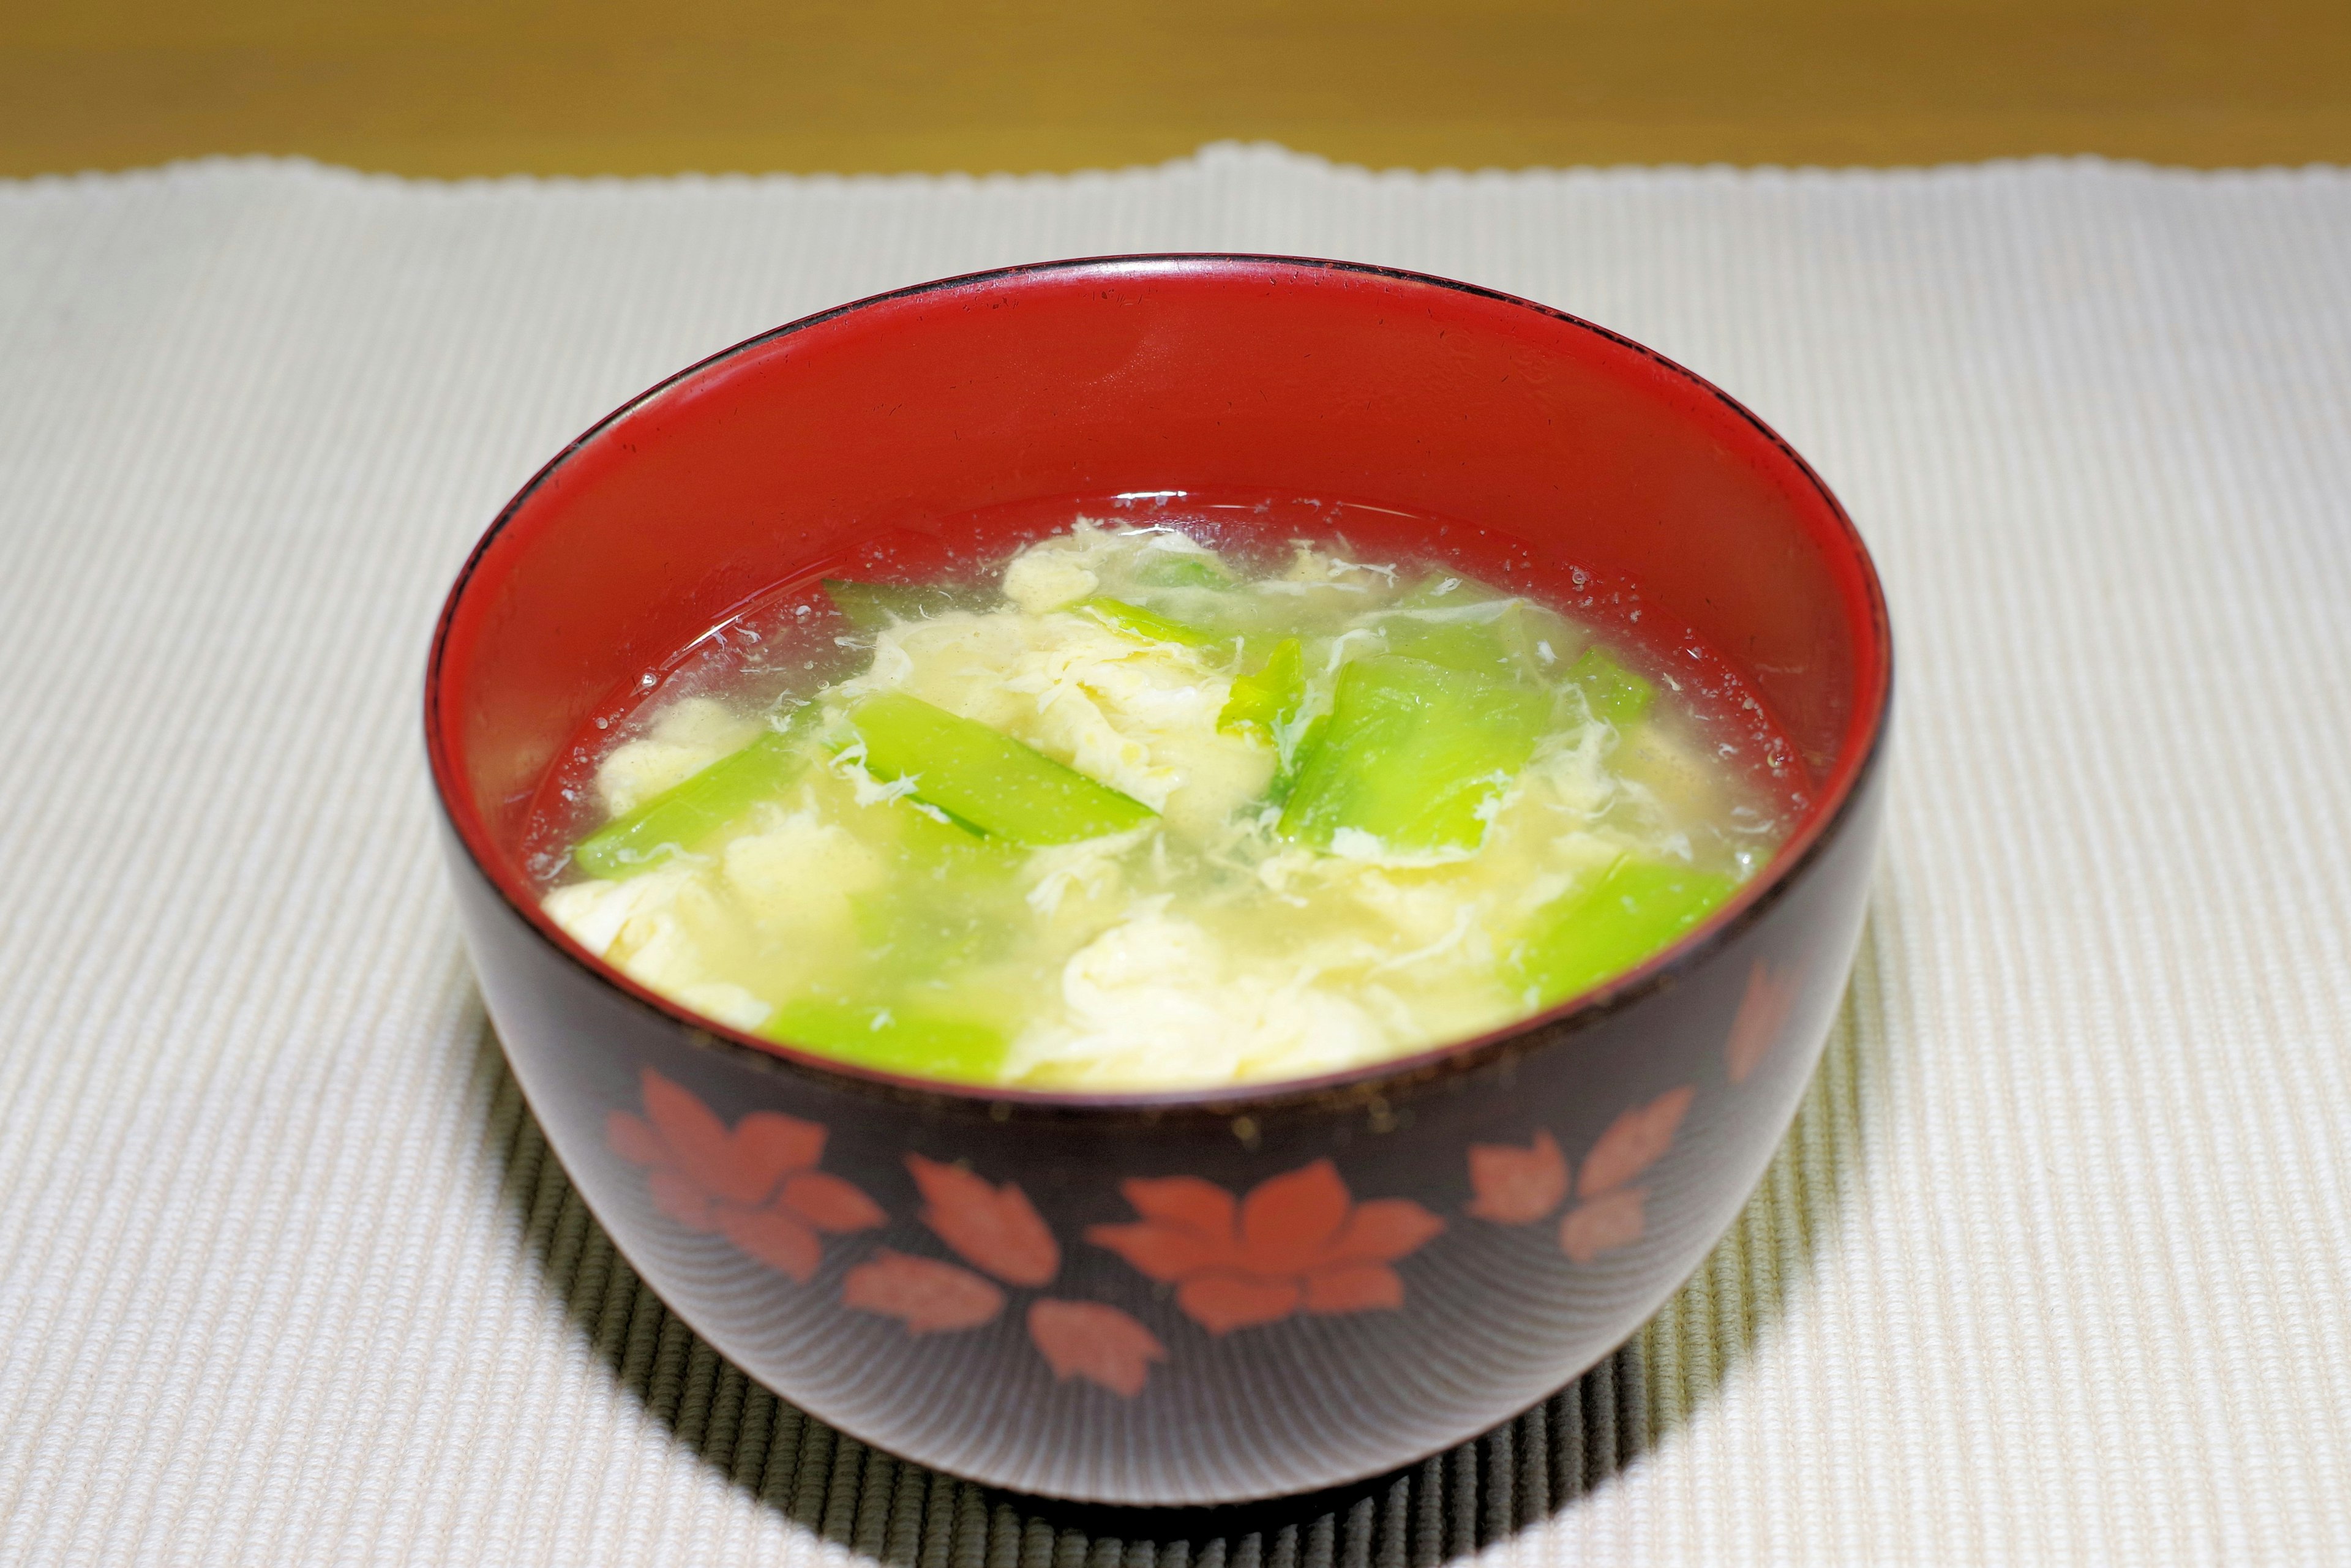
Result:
[465,87]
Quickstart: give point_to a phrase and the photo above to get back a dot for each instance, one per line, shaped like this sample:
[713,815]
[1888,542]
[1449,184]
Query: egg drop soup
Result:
[1143,807]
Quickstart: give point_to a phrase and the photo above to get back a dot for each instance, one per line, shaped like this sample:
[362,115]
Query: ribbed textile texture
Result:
[2056,1265]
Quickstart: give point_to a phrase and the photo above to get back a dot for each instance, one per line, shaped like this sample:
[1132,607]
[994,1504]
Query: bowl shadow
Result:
[1540,1463]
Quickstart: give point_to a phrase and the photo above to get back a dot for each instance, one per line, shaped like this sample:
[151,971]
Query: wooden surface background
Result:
[472,86]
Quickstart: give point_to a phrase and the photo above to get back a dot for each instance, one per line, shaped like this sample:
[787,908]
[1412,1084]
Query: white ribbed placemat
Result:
[2056,1267]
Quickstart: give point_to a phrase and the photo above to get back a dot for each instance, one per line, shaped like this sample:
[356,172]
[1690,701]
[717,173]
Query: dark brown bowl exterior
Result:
[1173,1300]
[1188,1305]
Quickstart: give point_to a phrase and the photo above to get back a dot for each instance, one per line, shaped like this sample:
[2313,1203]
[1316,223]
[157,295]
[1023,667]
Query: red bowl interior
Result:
[868,438]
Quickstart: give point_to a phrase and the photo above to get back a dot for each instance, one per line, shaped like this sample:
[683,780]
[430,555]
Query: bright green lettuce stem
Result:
[871,606]
[685,816]
[1149,626]
[1413,755]
[1637,908]
[1268,699]
[1615,693]
[893,1039]
[986,778]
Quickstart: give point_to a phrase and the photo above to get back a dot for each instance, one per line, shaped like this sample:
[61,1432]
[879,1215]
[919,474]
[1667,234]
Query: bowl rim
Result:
[1860,755]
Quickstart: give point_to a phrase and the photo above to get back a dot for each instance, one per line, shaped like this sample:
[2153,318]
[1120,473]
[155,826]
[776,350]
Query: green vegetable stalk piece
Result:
[1268,699]
[1134,620]
[951,897]
[1445,590]
[1615,693]
[893,1039]
[909,938]
[1637,908]
[1411,756]
[987,778]
[1471,646]
[871,606]
[1169,569]
[1285,782]
[1484,632]
[686,815]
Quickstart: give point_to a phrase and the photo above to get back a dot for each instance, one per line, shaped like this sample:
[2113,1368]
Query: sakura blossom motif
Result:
[756,1184]
[1097,1343]
[926,1295]
[1517,1185]
[1633,1142]
[1514,1185]
[1298,1242]
[1599,1224]
[1763,1011]
[998,1230]
[996,1227]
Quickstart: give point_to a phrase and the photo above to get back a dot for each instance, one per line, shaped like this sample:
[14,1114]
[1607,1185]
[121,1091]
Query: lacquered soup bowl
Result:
[1179,1298]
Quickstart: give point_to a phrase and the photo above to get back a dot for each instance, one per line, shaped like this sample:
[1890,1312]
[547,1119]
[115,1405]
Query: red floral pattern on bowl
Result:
[756,1184]
[997,1229]
[1298,1242]
[1762,1017]
[1520,1186]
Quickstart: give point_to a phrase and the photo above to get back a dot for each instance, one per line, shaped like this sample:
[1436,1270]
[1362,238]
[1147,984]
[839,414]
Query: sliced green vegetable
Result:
[1474,646]
[871,606]
[1413,755]
[1309,740]
[918,933]
[686,815]
[1616,694]
[1149,626]
[952,897]
[895,1038]
[1484,632]
[1166,569]
[1443,590]
[1265,701]
[1538,636]
[1634,909]
[986,778]
[929,842]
